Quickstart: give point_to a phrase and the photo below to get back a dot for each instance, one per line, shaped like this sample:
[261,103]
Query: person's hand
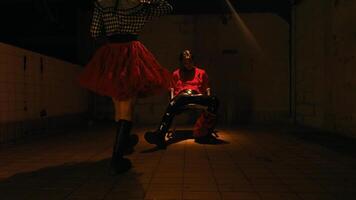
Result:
[172,93]
[145,1]
[149,1]
[208,91]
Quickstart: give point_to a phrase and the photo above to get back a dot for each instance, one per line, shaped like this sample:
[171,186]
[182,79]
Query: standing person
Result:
[123,68]
[190,86]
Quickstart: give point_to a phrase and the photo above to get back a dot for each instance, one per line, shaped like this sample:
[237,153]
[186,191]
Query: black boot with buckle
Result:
[124,142]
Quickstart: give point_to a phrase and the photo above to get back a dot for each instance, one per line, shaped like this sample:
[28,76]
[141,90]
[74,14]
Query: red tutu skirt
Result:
[125,70]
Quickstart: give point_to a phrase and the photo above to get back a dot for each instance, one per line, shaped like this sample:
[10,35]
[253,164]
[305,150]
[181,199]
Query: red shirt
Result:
[195,79]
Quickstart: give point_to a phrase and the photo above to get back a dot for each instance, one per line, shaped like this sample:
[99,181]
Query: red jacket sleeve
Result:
[205,81]
[175,79]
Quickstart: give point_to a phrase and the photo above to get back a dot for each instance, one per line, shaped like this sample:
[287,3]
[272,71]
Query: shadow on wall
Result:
[83,180]
[244,107]
[101,108]
[236,109]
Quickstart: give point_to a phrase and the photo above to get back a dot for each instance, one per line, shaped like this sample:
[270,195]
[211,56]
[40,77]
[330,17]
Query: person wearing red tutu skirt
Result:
[124,69]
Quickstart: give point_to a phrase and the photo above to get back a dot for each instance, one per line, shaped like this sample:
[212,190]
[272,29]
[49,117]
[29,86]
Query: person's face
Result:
[187,61]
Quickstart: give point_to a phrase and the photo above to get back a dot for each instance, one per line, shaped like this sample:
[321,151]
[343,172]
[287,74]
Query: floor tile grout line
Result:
[253,147]
[309,178]
[114,183]
[280,178]
[300,170]
[73,191]
[88,177]
[281,181]
[184,167]
[154,172]
[242,171]
[212,170]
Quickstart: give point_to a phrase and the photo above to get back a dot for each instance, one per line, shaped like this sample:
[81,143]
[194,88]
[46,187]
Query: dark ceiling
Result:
[181,6]
[50,25]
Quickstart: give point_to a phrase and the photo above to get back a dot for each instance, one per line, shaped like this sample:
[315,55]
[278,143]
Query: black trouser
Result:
[179,104]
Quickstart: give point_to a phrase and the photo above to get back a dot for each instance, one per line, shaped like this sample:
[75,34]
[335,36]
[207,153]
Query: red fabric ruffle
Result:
[125,70]
[204,125]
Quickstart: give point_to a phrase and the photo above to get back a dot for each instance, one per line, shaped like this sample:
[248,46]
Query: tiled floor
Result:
[252,164]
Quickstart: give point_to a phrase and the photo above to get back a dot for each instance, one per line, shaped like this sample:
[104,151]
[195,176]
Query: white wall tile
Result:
[53,90]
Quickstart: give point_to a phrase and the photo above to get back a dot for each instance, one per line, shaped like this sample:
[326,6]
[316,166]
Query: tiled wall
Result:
[325,70]
[37,93]
[253,87]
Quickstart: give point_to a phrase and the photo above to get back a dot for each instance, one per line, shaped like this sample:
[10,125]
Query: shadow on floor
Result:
[333,141]
[89,180]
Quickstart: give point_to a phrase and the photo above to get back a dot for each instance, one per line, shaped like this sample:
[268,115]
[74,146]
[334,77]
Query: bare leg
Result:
[124,109]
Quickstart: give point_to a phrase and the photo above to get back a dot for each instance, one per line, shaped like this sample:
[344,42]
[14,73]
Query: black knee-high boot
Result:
[130,140]
[158,137]
[123,142]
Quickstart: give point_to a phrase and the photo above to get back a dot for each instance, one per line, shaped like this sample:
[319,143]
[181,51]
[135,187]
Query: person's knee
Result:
[175,104]
[171,106]
[123,110]
[126,114]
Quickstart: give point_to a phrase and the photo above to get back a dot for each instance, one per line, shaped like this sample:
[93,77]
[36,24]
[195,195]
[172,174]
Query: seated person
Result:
[190,86]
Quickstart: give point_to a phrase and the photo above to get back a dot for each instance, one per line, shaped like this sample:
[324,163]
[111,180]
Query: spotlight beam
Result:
[251,40]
